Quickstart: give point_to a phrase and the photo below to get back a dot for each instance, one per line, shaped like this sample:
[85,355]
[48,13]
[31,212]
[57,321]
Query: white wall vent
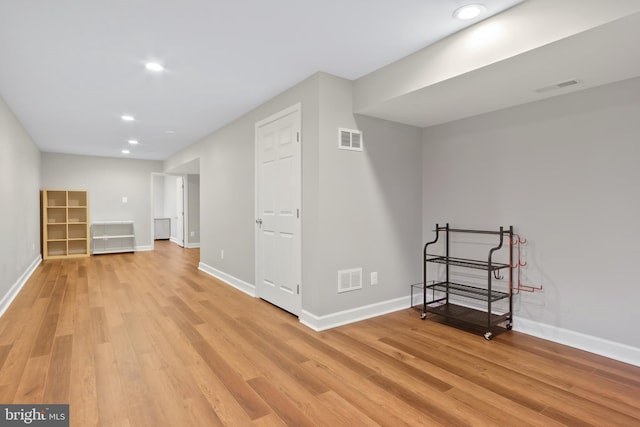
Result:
[349,139]
[349,280]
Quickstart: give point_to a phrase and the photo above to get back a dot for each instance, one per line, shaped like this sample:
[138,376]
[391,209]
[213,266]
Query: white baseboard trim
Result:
[193,246]
[240,285]
[321,323]
[144,248]
[8,298]
[613,350]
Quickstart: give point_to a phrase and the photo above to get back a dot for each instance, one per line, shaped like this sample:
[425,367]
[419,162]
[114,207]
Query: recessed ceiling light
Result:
[169,131]
[128,118]
[153,66]
[126,151]
[133,142]
[469,11]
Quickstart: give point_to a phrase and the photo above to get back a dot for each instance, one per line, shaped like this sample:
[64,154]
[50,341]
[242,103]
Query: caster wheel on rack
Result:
[509,326]
[488,336]
[423,316]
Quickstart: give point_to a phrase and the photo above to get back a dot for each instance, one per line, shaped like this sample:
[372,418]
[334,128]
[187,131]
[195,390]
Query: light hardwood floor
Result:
[146,339]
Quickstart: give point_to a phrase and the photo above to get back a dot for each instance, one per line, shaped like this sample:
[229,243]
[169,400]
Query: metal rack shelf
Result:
[441,290]
[464,262]
[469,318]
[474,292]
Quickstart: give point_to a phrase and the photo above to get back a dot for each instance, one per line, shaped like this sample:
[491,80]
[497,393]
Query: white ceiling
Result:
[70,68]
[592,49]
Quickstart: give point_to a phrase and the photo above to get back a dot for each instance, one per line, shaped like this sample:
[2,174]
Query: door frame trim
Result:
[295,108]
[185,202]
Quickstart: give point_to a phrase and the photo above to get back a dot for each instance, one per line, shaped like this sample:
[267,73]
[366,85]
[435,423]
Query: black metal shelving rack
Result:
[487,321]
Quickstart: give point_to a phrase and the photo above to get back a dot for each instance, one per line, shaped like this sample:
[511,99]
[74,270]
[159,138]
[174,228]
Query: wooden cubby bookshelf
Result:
[65,224]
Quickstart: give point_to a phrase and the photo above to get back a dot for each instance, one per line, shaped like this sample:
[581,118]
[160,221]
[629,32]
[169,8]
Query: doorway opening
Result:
[175,210]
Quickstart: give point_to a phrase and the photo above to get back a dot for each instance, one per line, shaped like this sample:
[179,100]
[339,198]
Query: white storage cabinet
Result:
[162,228]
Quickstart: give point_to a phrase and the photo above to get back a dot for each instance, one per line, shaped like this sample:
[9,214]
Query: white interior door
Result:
[278,193]
[179,219]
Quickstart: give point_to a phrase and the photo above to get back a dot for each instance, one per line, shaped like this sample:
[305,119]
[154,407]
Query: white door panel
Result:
[269,264]
[278,183]
[179,220]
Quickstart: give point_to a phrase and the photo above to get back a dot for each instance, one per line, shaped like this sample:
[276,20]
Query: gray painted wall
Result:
[158,196]
[358,209]
[564,172]
[20,195]
[227,180]
[107,180]
[368,203]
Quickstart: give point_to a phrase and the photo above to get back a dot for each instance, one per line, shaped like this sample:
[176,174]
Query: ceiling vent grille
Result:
[557,86]
[349,280]
[349,139]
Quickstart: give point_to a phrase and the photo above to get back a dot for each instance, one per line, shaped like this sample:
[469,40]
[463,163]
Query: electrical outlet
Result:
[192,234]
[124,199]
[222,254]
[374,278]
